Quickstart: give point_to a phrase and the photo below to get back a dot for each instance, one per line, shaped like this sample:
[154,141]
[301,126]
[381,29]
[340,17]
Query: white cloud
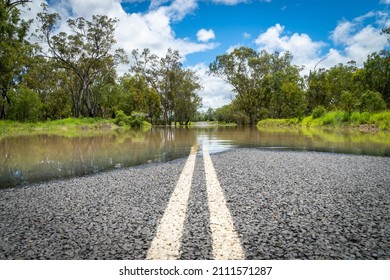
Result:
[385,1]
[204,35]
[357,40]
[303,48]
[215,92]
[246,35]
[235,2]
[352,40]
[151,29]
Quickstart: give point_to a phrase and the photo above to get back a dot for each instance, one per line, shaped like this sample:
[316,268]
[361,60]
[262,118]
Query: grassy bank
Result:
[67,127]
[365,121]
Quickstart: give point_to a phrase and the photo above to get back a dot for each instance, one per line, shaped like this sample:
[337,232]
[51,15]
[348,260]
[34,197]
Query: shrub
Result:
[360,118]
[371,101]
[318,112]
[136,121]
[382,120]
[25,105]
[347,101]
[121,118]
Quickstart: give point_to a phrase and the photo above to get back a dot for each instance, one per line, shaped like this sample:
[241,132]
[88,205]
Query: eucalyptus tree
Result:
[377,73]
[15,50]
[86,53]
[187,101]
[243,70]
[176,86]
[266,85]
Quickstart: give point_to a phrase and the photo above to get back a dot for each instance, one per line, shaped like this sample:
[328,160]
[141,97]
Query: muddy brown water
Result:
[30,159]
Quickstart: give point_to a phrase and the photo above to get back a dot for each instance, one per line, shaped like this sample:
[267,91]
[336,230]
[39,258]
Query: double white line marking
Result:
[166,243]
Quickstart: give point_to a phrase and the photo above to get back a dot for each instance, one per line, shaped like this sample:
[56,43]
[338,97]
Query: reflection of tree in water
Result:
[28,159]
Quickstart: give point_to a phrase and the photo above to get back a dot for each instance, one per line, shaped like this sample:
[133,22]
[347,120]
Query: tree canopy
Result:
[74,74]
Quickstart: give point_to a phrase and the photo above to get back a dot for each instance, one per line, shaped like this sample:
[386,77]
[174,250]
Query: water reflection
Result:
[34,158]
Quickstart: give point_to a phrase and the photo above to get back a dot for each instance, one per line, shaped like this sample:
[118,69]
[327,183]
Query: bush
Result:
[25,105]
[347,101]
[121,119]
[360,118]
[318,112]
[382,120]
[136,121]
[371,101]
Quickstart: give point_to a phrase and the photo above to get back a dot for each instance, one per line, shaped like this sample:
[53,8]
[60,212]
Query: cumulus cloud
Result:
[352,40]
[235,2]
[151,29]
[215,92]
[385,1]
[356,39]
[305,50]
[204,35]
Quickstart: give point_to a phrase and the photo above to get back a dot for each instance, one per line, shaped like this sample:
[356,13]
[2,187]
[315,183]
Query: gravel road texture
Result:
[285,205]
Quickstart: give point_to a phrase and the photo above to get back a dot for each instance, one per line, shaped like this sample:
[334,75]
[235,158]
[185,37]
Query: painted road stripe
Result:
[226,243]
[166,243]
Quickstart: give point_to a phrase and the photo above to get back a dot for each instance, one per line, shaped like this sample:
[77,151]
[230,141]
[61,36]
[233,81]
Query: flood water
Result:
[36,158]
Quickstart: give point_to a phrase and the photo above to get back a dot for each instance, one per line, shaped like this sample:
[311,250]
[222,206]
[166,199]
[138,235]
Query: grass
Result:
[69,126]
[364,120]
[278,122]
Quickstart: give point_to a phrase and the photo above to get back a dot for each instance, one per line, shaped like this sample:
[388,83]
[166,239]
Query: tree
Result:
[139,97]
[318,92]
[176,87]
[187,101]
[242,70]
[257,79]
[347,101]
[340,79]
[85,53]
[26,105]
[377,73]
[12,4]
[386,31]
[371,101]
[15,50]
[52,85]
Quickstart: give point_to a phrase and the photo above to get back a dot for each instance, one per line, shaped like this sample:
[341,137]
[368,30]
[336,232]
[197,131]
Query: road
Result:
[239,204]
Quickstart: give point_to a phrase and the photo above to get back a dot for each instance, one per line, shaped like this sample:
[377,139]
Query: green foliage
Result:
[15,51]
[86,54]
[348,101]
[26,105]
[265,84]
[381,120]
[136,120]
[278,122]
[358,118]
[318,112]
[377,72]
[121,119]
[177,88]
[229,114]
[371,101]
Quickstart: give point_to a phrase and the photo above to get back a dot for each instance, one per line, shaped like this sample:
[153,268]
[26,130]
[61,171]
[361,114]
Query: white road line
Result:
[226,243]
[166,243]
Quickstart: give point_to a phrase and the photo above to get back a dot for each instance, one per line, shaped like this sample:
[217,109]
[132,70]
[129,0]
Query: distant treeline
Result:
[75,75]
[270,86]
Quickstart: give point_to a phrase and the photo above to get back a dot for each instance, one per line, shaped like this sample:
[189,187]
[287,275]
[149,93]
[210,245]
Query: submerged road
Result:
[238,204]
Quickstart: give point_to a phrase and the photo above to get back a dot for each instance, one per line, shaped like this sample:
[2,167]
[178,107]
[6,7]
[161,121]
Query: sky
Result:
[338,30]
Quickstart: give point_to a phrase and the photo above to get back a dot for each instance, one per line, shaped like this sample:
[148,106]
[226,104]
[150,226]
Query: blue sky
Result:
[341,30]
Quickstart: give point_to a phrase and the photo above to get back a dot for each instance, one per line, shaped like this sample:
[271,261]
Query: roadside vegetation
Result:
[364,121]
[73,75]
